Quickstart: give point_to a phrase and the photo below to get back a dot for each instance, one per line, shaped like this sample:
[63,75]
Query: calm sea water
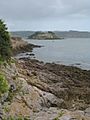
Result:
[71,51]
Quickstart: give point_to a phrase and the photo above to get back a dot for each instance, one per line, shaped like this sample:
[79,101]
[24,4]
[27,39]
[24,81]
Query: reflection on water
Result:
[73,51]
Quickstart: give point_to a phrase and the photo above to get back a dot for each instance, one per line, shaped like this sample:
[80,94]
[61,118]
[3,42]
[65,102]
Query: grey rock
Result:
[87,112]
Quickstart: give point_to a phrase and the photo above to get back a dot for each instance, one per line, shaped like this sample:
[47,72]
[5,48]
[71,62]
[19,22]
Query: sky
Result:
[45,15]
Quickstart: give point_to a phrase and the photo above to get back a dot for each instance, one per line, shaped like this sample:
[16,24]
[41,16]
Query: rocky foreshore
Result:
[46,91]
[40,91]
[21,46]
[69,84]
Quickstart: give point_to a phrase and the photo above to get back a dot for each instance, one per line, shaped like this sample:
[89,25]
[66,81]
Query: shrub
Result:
[4,87]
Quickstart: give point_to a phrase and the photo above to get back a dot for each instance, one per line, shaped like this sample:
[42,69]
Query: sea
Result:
[69,51]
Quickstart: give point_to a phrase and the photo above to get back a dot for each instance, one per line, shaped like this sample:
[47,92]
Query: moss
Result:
[1,62]
[59,115]
[6,109]
[56,118]
[13,61]
[10,96]
[15,77]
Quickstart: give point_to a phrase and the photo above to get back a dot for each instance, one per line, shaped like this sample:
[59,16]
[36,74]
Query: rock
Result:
[87,112]
[1,112]
[4,97]
[59,114]
[68,83]
[31,54]
[12,87]
[21,46]
[19,109]
[49,100]
[49,114]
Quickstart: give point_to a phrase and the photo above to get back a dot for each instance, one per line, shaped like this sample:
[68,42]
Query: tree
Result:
[5,44]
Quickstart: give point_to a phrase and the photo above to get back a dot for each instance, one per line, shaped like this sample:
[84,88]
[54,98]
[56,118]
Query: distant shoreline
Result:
[63,34]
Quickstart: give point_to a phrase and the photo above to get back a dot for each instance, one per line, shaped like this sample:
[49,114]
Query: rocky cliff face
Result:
[44,36]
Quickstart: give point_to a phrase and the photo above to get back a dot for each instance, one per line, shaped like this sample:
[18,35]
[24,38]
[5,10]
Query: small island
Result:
[44,36]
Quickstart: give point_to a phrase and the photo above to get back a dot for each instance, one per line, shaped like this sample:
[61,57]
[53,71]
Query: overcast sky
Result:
[46,14]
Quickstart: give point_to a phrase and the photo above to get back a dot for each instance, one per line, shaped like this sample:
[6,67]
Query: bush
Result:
[4,87]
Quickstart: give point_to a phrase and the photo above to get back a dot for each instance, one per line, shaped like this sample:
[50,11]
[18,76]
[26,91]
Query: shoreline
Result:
[45,91]
[25,50]
[66,71]
[58,71]
[63,53]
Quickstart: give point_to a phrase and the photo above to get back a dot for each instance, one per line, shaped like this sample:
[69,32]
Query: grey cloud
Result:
[29,9]
[19,11]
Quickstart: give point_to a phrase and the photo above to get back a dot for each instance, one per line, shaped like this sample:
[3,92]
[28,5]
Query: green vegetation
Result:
[5,44]
[6,109]
[56,118]
[4,87]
